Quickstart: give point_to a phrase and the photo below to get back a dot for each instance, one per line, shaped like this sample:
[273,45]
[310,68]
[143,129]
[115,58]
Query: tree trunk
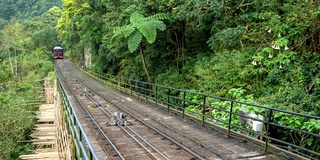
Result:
[144,63]
[87,56]
[16,63]
[280,4]
[10,62]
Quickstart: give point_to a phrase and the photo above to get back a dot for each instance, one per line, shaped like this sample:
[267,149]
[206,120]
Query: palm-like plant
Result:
[139,27]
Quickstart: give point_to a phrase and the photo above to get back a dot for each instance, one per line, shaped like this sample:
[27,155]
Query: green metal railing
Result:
[236,117]
[82,145]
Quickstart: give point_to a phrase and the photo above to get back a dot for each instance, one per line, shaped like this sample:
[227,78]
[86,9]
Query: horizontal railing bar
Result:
[225,99]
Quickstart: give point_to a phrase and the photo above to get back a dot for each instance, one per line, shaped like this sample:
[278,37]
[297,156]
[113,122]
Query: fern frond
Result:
[159,16]
[134,41]
[159,24]
[136,16]
[148,30]
[128,31]
[125,30]
[116,32]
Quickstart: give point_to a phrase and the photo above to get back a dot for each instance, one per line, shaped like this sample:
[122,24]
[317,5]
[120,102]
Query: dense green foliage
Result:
[25,59]
[267,48]
[264,52]
[259,51]
[25,9]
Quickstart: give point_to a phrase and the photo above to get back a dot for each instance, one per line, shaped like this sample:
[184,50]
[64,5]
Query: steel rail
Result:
[99,104]
[154,129]
[164,135]
[144,147]
[177,143]
[137,134]
[88,95]
[222,156]
[161,133]
[91,117]
[93,154]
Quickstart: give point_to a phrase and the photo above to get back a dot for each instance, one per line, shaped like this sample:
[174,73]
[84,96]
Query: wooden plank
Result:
[44,134]
[45,138]
[48,129]
[42,150]
[36,134]
[45,143]
[45,155]
[45,125]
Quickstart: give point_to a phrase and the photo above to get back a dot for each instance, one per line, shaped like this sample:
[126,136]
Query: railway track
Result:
[123,131]
[127,131]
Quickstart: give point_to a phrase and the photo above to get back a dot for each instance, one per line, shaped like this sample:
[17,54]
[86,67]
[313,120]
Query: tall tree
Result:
[14,40]
[80,28]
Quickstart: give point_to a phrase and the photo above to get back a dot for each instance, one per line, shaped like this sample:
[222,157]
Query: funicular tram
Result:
[57,52]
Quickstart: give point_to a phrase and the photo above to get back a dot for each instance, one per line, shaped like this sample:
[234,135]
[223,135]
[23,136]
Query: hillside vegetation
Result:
[26,38]
[263,52]
[267,49]
[258,51]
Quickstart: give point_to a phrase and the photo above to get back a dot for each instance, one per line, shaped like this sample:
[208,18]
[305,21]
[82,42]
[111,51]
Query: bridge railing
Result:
[290,131]
[82,145]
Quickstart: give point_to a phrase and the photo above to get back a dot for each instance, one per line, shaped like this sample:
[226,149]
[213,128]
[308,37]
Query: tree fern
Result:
[147,26]
[139,27]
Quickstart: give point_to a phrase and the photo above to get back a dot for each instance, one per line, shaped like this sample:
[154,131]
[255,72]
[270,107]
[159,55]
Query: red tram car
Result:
[58,52]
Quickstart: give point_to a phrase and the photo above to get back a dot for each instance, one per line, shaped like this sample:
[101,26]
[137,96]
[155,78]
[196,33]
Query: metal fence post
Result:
[230,118]
[80,133]
[130,86]
[146,91]
[119,83]
[138,89]
[267,131]
[203,109]
[156,96]
[101,78]
[184,103]
[168,100]
[73,119]
[90,155]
